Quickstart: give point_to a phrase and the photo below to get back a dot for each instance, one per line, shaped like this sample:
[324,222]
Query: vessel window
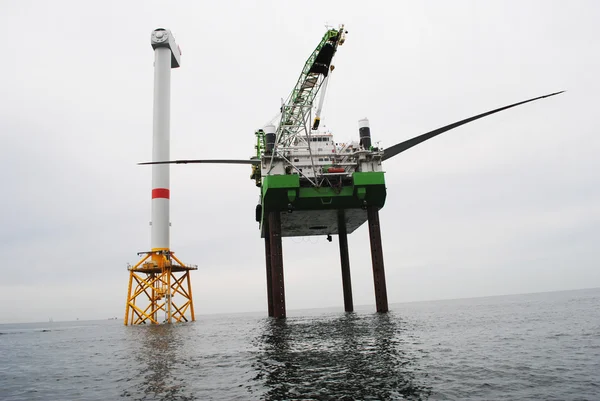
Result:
[296,160]
[320,159]
[326,159]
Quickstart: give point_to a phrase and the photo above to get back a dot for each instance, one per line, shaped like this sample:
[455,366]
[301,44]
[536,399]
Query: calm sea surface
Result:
[536,347]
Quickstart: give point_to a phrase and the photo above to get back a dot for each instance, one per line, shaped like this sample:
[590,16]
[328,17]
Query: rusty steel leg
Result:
[278,289]
[377,257]
[268,263]
[345,261]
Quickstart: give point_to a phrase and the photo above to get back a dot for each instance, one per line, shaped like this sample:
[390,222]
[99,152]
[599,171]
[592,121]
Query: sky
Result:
[507,204]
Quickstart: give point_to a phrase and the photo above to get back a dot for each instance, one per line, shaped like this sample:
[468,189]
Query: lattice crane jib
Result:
[294,125]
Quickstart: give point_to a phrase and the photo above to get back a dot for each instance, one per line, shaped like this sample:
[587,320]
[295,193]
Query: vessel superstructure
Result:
[303,171]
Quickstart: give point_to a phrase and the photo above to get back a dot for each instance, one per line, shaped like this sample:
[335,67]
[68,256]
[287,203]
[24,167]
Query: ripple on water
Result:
[528,347]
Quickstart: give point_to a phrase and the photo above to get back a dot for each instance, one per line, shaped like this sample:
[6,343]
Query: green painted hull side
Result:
[279,191]
[275,190]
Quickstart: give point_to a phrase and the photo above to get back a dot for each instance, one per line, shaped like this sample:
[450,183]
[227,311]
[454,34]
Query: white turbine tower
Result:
[157,276]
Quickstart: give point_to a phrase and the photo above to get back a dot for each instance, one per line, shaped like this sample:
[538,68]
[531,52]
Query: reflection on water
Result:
[155,375]
[345,358]
[538,347]
[326,357]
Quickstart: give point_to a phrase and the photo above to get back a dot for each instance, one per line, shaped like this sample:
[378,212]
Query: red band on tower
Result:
[161,193]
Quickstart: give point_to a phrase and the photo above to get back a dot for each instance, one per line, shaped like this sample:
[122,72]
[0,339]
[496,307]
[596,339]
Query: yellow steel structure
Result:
[154,283]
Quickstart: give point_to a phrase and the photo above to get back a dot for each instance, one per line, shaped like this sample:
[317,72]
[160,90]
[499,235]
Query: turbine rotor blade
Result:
[402,146]
[211,161]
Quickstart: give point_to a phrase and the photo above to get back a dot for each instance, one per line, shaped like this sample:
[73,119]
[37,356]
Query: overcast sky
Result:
[507,204]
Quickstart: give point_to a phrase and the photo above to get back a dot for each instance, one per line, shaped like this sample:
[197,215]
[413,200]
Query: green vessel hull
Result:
[314,211]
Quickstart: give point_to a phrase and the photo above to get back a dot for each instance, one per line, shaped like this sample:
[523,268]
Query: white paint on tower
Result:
[166,56]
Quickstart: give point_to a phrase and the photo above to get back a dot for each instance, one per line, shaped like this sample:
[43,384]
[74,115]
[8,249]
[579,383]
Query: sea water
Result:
[520,347]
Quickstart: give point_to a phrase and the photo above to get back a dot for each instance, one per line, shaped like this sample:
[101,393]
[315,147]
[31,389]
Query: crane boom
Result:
[295,113]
